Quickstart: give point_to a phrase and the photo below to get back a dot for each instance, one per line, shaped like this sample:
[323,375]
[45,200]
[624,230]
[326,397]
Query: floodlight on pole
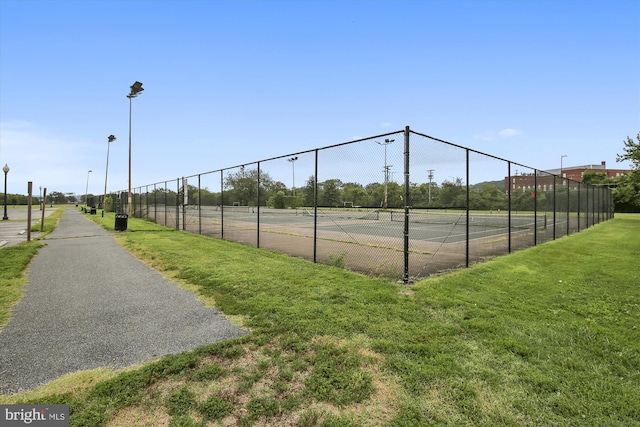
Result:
[136,88]
[110,139]
[561,157]
[386,168]
[292,161]
[86,190]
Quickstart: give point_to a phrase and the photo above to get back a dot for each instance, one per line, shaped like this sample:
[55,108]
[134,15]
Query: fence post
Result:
[405,279]
[599,203]
[258,209]
[184,200]
[509,188]
[199,207]
[177,203]
[568,205]
[467,231]
[166,192]
[579,207]
[222,204]
[315,210]
[554,207]
[535,207]
[155,203]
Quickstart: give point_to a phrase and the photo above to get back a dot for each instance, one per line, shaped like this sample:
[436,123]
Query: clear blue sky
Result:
[231,82]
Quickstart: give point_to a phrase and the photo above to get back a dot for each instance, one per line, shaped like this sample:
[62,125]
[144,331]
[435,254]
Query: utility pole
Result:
[386,168]
[430,172]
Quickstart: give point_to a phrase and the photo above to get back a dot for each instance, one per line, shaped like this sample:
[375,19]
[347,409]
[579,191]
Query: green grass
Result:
[545,336]
[14,261]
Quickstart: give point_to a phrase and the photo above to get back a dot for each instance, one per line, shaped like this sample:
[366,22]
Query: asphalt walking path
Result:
[88,303]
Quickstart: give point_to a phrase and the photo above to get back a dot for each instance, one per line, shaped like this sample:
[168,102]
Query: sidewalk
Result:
[89,303]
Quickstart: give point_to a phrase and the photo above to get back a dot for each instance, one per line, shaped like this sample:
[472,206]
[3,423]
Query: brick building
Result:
[545,179]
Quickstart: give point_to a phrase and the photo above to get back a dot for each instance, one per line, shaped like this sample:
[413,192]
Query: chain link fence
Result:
[403,205]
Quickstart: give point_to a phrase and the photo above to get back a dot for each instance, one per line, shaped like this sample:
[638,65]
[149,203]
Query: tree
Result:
[423,195]
[355,193]
[488,197]
[523,200]
[209,198]
[308,191]
[330,193]
[242,187]
[277,201]
[626,195]
[375,192]
[594,177]
[452,194]
[57,197]
[631,152]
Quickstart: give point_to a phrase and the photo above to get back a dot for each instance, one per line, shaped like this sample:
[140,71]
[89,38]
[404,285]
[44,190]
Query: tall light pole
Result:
[136,88]
[386,168]
[292,161]
[5,169]
[86,190]
[110,139]
[561,157]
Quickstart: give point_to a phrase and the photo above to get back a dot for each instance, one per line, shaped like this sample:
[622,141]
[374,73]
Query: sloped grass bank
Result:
[546,336]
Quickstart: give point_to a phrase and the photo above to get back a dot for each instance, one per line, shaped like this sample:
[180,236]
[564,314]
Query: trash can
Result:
[121,222]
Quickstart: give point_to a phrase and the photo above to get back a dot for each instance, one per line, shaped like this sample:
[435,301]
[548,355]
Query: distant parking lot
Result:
[14,230]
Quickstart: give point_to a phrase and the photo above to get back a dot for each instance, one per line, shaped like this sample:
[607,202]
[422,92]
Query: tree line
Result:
[54,198]
[241,188]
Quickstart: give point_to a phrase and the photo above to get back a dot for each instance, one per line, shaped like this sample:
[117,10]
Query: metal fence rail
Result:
[374,205]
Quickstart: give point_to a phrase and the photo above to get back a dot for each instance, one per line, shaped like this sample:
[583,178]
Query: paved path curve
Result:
[89,303]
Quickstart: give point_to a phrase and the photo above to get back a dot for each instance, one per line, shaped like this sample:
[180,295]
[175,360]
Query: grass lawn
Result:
[544,336]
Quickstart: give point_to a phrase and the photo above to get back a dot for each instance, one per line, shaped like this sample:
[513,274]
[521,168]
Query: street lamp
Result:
[386,168]
[110,139]
[5,169]
[86,190]
[292,161]
[136,88]
[561,157]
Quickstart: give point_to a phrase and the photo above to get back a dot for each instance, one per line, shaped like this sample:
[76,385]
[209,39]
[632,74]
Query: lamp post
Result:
[5,169]
[136,88]
[386,168]
[110,139]
[292,161]
[86,190]
[561,157]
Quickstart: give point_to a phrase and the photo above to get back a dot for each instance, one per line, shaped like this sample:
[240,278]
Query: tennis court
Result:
[440,227]
[365,240]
